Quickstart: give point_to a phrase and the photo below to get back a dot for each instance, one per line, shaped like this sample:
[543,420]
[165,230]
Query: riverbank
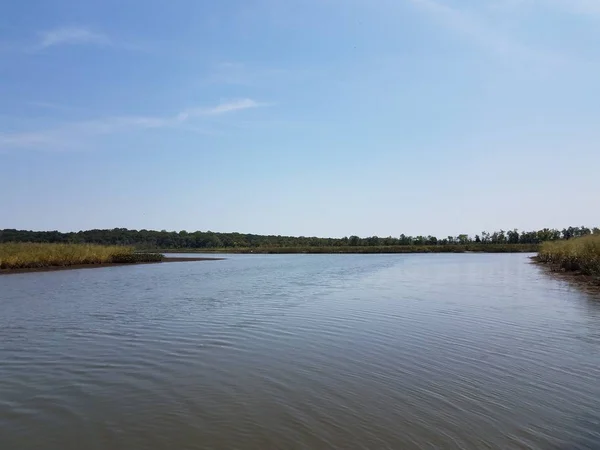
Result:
[577,278]
[32,257]
[100,265]
[466,248]
[576,258]
[574,255]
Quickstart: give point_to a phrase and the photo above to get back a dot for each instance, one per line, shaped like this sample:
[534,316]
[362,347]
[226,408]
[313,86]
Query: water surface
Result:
[300,352]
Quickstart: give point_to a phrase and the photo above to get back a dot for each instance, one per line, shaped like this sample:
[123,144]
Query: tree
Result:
[390,241]
[584,231]
[431,240]
[419,240]
[529,237]
[373,241]
[405,240]
[568,233]
[498,237]
[513,236]
[150,239]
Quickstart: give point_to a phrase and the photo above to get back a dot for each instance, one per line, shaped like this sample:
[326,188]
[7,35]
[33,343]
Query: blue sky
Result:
[300,117]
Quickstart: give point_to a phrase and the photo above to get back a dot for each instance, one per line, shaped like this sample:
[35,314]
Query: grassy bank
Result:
[482,248]
[32,256]
[575,255]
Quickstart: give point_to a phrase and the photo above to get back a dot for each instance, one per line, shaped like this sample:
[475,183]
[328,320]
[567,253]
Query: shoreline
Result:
[573,276]
[332,250]
[98,266]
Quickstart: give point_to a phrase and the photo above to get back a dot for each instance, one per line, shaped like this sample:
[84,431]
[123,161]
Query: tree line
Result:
[149,239]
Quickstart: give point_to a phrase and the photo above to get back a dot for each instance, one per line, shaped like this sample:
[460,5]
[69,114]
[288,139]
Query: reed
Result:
[31,255]
[577,255]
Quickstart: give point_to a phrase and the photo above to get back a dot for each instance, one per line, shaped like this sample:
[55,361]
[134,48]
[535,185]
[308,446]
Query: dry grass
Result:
[29,255]
[580,254]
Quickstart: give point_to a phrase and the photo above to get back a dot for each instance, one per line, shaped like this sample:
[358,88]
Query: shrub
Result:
[579,254]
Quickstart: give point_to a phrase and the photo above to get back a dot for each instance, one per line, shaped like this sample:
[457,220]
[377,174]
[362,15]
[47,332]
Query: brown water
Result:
[300,352]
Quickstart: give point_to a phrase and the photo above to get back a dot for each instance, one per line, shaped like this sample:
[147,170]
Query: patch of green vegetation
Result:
[208,240]
[31,255]
[481,248]
[579,255]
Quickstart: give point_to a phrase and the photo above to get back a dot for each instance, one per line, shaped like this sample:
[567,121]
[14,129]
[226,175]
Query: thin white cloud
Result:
[482,32]
[467,24]
[72,36]
[75,134]
[236,105]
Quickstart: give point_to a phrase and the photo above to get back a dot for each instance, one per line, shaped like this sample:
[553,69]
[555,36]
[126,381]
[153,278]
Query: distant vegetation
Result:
[39,255]
[449,248]
[580,254]
[513,240]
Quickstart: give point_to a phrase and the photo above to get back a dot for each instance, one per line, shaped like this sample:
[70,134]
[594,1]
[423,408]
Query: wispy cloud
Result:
[80,35]
[72,36]
[220,109]
[466,23]
[76,134]
[583,7]
[236,105]
[482,32]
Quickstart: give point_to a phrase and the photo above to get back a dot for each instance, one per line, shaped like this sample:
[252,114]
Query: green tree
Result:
[419,240]
[513,236]
[463,239]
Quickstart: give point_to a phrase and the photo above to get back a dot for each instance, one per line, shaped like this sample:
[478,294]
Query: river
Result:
[467,351]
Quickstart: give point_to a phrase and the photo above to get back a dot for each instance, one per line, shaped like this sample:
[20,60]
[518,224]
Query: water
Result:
[300,352]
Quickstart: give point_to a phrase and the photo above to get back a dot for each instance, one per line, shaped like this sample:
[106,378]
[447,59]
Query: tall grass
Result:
[580,254]
[30,255]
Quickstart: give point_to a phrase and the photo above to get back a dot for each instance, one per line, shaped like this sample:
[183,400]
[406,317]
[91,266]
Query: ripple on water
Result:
[301,351]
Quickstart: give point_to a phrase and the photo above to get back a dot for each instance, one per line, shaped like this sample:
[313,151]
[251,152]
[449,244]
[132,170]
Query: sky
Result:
[300,117]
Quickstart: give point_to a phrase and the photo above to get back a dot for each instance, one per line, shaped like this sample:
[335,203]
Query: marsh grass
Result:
[579,254]
[31,256]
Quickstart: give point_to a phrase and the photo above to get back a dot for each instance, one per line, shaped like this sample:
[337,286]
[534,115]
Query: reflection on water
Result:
[300,352]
